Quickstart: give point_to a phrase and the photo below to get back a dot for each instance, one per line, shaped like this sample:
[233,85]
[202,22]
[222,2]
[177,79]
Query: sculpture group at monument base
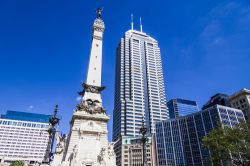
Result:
[87,143]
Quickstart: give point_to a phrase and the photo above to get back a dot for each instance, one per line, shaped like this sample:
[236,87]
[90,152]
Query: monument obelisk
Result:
[87,142]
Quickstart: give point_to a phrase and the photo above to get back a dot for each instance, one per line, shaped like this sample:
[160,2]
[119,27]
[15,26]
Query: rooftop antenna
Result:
[132,22]
[140,24]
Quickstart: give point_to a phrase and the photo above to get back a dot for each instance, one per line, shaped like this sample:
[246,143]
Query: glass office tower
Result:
[179,141]
[181,107]
[219,98]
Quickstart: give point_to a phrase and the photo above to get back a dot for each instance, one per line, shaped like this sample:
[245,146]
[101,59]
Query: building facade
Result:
[179,141]
[131,151]
[181,107]
[139,86]
[217,99]
[23,136]
[241,100]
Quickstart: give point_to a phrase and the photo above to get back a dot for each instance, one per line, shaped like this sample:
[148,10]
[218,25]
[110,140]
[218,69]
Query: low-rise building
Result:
[131,152]
[241,100]
[179,141]
[23,136]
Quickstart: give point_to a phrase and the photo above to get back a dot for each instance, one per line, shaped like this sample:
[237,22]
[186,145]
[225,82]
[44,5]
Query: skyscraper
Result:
[139,89]
[181,107]
[139,86]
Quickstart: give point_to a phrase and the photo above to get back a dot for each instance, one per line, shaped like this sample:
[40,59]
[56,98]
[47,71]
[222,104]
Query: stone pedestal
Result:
[88,143]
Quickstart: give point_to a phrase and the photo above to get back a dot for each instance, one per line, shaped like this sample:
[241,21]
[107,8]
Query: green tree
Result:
[229,144]
[17,163]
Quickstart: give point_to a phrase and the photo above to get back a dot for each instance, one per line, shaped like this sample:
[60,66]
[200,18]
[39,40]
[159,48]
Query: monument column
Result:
[87,142]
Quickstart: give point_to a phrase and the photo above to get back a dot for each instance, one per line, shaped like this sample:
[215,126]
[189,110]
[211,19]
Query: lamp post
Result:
[143,131]
[53,121]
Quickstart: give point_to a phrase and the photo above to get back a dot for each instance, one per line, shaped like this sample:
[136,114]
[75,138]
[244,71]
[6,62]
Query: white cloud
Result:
[224,10]
[78,98]
[30,107]
[211,30]
[223,38]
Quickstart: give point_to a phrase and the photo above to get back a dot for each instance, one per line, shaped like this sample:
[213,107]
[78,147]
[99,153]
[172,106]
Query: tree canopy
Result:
[229,144]
[17,163]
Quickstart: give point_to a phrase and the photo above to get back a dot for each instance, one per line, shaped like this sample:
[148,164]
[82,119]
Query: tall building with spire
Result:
[139,87]
[139,84]
[87,142]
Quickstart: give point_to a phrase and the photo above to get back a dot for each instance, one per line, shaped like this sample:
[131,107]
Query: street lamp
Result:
[143,131]
[53,121]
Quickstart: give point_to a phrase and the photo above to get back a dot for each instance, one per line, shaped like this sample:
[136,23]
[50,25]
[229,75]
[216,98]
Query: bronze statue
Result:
[99,12]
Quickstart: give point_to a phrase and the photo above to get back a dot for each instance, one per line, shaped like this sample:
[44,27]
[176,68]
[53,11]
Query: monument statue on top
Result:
[87,142]
[99,13]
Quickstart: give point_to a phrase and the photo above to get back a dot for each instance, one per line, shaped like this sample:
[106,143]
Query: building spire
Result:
[132,22]
[140,24]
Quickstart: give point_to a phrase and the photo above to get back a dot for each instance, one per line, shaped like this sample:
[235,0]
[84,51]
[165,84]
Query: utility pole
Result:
[143,131]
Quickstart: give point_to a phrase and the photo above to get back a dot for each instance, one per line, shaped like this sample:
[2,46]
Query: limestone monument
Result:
[87,142]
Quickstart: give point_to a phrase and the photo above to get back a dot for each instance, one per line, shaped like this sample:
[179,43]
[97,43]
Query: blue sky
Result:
[44,49]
